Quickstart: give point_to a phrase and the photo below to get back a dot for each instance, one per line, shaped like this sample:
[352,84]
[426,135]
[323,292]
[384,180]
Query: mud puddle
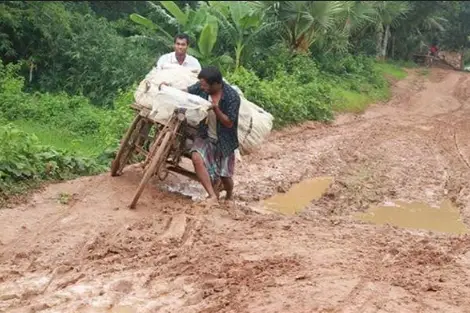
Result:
[417,215]
[298,196]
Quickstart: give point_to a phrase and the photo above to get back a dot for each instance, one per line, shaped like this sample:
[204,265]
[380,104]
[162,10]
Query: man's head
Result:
[210,79]
[181,44]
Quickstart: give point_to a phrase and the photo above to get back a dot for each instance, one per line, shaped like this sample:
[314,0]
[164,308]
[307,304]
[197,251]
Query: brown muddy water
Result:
[417,215]
[299,195]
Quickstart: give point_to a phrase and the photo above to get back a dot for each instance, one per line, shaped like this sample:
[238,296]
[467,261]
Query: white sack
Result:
[254,124]
[169,98]
[177,76]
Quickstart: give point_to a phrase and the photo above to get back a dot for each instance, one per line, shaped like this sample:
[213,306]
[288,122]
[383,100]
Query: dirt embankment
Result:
[91,254]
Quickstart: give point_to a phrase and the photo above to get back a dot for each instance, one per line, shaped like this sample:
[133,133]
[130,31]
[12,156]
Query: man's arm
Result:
[228,117]
[193,89]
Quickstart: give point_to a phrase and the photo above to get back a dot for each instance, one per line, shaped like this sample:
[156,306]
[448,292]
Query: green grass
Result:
[391,69]
[350,101]
[61,139]
[357,102]
[354,102]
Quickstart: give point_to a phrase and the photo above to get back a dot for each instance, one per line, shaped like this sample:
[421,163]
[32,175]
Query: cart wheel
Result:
[157,159]
[127,146]
[429,62]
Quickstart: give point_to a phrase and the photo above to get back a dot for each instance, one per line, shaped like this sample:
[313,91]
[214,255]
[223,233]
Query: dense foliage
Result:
[69,69]
[24,161]
[66,47]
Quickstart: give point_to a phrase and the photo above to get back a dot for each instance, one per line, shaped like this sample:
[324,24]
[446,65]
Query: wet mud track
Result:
[91,254]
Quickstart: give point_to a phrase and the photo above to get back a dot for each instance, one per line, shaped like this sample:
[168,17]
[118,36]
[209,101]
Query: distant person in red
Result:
[434,51]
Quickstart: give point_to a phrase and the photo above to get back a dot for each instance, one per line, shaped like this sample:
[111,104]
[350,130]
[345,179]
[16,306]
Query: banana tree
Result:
[241,22]
[206,43]
[196,23]
[160,34]
[188,20]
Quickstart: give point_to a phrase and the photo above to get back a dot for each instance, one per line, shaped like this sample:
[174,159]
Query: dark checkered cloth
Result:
[229,104]
[216,164]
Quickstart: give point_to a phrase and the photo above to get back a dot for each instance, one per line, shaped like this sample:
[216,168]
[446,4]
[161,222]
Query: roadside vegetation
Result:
[68,70]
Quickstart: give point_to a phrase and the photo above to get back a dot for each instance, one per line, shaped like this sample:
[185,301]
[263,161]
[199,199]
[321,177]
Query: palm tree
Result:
[354,17]
[304,22]
[421,25]
[198,24]
[326,23]
[388,14]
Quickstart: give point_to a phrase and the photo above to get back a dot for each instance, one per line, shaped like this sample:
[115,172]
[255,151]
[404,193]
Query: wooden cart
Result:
[424,59]
[159,147]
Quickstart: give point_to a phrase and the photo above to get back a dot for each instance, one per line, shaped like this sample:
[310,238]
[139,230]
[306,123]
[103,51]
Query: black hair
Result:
[211,75]
[182,36]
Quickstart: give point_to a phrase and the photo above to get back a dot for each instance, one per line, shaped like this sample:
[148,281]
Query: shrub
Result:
[72,50]
[116,121]
[61,111]
[23,160]
[290,97]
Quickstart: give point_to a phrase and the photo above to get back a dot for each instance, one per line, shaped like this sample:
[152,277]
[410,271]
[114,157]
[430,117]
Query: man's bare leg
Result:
[216,190]
[203,174]
[218,187]
[228,186]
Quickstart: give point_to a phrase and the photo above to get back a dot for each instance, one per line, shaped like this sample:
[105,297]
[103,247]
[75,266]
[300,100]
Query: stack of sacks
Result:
[254,123]
[168,99]
[177,76]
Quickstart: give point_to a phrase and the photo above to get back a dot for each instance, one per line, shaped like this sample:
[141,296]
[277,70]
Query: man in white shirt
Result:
[180,55]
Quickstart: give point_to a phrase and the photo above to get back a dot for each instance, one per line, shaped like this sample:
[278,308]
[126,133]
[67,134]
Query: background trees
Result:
[95,48]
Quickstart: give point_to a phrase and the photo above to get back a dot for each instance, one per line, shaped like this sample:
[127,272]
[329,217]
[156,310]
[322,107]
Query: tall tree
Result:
[304,22]
[422,24]
[457,34]
[388,15]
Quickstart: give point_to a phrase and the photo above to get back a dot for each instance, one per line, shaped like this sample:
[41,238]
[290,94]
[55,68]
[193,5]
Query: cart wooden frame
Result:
[425,59]
[162,145]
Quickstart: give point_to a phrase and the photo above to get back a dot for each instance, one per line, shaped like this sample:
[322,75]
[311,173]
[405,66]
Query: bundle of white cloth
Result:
[254,123]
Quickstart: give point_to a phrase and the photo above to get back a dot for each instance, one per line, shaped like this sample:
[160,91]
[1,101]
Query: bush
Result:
[116,122]
[358,69]
[23,161]
[99,62]
[61,111]
[288,96]
[296,88]
[72,50]
[72,116]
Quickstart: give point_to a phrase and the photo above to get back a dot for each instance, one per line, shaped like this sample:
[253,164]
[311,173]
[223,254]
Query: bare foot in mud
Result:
[209,202]
[230,206]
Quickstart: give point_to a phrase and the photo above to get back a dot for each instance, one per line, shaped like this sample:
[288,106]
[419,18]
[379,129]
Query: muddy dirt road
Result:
[76,248]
